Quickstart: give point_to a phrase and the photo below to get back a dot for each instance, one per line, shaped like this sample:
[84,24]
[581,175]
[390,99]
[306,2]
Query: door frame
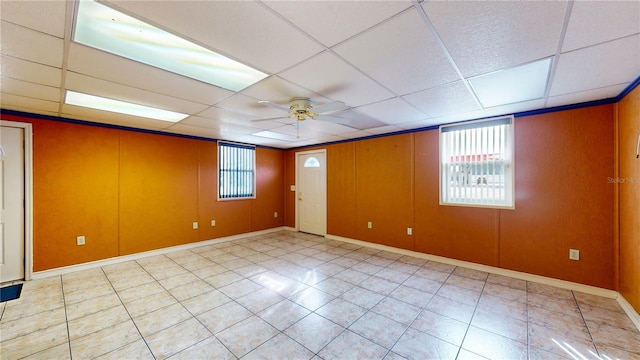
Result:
[28,193]
[298,155]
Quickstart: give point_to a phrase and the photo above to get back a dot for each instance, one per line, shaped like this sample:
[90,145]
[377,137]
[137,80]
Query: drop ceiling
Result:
[397,65]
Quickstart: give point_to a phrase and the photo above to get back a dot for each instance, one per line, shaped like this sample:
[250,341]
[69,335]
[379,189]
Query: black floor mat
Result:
[10,292]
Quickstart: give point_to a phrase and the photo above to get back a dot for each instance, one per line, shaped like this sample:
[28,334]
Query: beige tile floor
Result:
[288,295]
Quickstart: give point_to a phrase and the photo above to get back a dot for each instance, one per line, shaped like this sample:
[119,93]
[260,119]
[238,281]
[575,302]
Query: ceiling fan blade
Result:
[269,119]
[356,123]
[330,107]
[273,105]
[336,120]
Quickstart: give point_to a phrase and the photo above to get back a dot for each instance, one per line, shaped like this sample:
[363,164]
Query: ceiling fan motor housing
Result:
[301,107]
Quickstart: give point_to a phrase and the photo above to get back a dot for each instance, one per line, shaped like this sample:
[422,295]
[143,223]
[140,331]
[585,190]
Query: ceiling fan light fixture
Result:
[301,108]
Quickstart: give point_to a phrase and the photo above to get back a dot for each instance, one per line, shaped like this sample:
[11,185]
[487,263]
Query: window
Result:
[312,162]
[476,163]
[236,171]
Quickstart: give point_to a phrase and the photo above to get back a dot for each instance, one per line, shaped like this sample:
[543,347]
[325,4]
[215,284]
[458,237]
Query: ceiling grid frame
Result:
[588,31]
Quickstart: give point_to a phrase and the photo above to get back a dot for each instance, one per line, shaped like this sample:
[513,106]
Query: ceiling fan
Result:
[302,108]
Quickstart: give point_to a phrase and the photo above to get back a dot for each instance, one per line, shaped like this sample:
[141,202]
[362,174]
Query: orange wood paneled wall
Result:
[628,182]
[384,190]
[563,199]
[130,191]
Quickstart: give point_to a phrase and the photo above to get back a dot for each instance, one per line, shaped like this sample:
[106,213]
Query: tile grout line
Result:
[421,310]
[130,318]
[66,318]
[475,309]
[526,298]
[179,302]
[584,321]
[298,256]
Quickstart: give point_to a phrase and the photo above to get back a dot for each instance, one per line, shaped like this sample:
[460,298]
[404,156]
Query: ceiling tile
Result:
[247,105]
[119,70]
[278,90]
[594,67]
[584,96]
[353,119]
[339,81]
[28,89]
[508,109]
[280,136]
[27,44]
[29,71]
[44,16]
[331,22]
[257,140]
[202,122]
[383,130]
[92,86]
[393,111]
[184,129]
[325,127]
[23,103]
[594,22]
[446,99]
[226,116]
[224,127]
[246,31]
[520,83]
[489,112]
[412,59]
[304,135]
[418,124]
[356,135]
[485,36]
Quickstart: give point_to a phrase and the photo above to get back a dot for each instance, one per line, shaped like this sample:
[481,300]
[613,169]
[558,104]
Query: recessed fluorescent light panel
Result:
[104,28]
[520,83]
[100,103]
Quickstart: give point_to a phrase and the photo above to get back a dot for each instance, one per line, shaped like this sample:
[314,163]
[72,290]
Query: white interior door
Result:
[12,219]
[311,191]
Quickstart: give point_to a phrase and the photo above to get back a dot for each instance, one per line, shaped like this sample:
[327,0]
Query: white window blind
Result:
[236,171]
[476,163]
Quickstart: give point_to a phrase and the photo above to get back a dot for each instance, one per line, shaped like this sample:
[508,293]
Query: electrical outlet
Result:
[195,225]
[409,231]
[369,225]
[80,240]
[574,254]
[275,214]
[213,223]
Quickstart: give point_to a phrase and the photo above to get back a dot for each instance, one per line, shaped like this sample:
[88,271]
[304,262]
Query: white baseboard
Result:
[629,310]
[119,259]
[587,289]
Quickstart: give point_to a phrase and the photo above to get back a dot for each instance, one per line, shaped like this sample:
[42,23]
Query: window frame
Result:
[227,144]
[509,163]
